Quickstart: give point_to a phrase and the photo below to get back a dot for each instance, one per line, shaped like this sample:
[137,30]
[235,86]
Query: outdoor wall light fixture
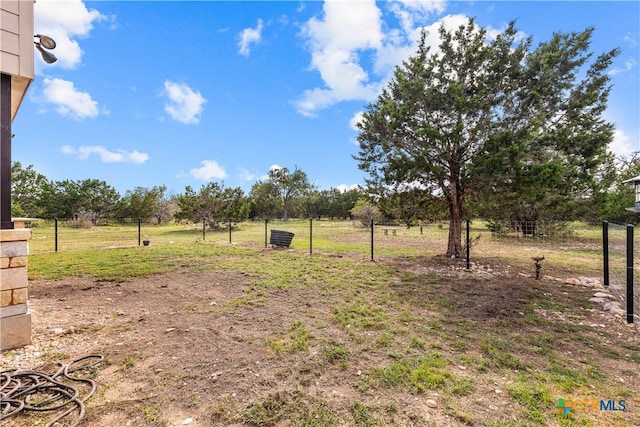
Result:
[46,42]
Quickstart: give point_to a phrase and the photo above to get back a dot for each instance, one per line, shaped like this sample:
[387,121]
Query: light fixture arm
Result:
[45,42]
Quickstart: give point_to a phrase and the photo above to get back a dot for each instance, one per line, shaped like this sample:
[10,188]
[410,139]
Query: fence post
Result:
[265,232]
[605,251]
[139,231]
[468,248]
[229,230]
[203,230]
[629,273]
[56,233]
[372,226]
[310,235]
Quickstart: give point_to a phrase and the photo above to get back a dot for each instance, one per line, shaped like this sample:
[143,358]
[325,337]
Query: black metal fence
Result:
[619,250]
[516,243]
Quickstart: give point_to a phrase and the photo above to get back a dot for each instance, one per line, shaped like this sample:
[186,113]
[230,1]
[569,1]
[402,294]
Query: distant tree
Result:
[491,116]
[16,210]
[26,189]
[365,212]
[89,199]
[412,206]
[290,186]
[56,201]
[317,204]
[166,204]
[264,200]
[139,203]
[234,204]
[341,202]
[147,203]
[97,199]
[212,203]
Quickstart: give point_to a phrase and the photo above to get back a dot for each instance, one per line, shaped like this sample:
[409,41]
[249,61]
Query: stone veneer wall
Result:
[15,319]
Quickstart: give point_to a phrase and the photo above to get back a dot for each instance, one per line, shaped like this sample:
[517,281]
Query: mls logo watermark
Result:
[590,405]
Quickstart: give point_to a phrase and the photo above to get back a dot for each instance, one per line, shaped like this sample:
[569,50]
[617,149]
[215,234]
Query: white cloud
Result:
[412,12]
[69,101]
[343,188]
[65,23]
[350,33]
[118,156]
[249,36]
[273,167]
[622,144]
[336,43]
[209,170]
[629,65]
[246,175]
[631,39]
[184,105]
[357,118]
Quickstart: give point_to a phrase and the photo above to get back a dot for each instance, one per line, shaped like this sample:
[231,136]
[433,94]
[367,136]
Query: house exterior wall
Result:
[16,47]
[16,61]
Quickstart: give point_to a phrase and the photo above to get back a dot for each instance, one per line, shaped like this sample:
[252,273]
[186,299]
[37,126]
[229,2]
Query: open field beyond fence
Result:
[580,248]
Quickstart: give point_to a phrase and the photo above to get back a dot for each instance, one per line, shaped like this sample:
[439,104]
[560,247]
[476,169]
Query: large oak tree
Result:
[483,115]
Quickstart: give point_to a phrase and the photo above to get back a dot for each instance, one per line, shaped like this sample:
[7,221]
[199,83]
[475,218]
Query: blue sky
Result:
[149,93]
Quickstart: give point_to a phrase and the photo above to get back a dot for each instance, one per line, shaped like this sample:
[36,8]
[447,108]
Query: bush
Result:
[365,212]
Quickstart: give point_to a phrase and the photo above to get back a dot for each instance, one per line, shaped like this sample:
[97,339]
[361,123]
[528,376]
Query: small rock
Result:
[187,421]
[610,306]
[590,281]
[603,295]
[432,403]
[170,329]
[597,300]
[498,391]
[572,281]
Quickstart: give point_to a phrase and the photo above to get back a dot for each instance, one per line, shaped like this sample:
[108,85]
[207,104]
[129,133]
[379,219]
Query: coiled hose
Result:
[39,391]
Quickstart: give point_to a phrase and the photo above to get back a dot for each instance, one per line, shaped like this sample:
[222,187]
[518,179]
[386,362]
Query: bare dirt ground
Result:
[188,348]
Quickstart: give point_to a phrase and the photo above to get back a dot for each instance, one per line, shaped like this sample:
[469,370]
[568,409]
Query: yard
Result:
[197,331]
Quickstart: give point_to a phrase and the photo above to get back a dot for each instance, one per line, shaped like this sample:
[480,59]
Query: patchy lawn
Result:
[264,337]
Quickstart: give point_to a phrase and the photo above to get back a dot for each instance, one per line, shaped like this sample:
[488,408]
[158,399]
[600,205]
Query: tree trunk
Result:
[454,244]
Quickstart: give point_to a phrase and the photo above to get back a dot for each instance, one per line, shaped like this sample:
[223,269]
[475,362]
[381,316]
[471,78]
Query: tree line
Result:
[283,194]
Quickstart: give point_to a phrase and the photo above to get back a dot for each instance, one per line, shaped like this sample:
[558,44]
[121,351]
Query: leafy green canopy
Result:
[494,119]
